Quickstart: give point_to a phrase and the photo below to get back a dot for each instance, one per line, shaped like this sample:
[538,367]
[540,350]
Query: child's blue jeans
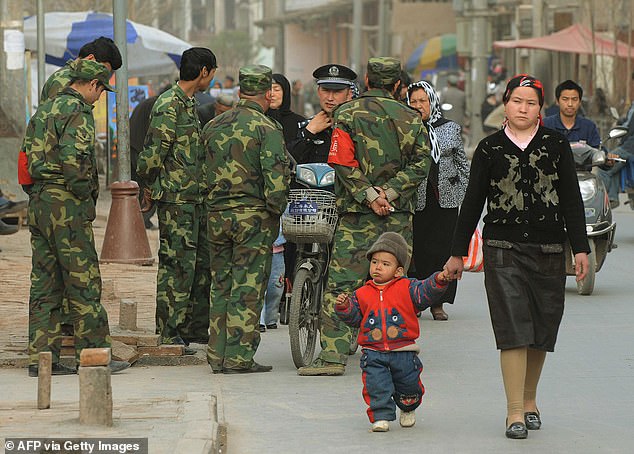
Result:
[391,379]
[274,290]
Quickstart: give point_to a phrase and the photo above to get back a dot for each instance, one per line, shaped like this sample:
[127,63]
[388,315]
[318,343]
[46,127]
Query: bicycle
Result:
[310,222]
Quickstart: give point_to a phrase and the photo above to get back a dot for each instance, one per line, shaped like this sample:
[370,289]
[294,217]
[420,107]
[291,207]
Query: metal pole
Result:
[41,48]
[357,24]
[381,47]
[479,69]
[123,120]
[279,62]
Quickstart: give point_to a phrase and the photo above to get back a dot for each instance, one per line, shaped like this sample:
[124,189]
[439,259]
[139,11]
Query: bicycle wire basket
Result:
[311,216]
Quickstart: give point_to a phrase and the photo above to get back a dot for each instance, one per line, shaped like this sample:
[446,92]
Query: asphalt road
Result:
[585,395]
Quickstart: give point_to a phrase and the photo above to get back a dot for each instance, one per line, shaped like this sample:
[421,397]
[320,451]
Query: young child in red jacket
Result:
[385,311]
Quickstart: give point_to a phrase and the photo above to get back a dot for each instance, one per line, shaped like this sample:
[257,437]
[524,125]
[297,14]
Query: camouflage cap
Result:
[90,70]
[383,71]
[255,79]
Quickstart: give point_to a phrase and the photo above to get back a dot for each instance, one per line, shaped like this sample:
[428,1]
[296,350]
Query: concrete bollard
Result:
[44,380]
[127,314]
[95,387]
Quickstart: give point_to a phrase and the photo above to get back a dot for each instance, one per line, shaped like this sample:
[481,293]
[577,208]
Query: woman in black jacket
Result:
[280,109]
[526,175]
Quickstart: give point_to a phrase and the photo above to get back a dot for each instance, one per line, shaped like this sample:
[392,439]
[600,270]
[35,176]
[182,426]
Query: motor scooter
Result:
[600,227]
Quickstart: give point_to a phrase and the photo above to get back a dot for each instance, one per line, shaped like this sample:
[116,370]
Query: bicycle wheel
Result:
[303,321]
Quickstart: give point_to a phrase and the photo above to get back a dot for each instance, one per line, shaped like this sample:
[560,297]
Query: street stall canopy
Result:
[436,53]
[150,51]
[576,39]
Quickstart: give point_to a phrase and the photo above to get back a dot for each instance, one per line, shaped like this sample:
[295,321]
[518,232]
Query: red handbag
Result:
[474,261]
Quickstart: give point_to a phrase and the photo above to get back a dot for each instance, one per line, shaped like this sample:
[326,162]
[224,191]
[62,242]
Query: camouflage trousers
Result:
[65,267]
[241,245]
[182,283]
[348,271]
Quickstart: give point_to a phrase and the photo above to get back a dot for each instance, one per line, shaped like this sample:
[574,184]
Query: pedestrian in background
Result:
[380,154]
[275,286]
[247,172]
[170,165]
[281,112]
[139,124]
[60,148]
[526,174]
[384,310]
[102,50]
[440,193]
[455,97]
[567,121]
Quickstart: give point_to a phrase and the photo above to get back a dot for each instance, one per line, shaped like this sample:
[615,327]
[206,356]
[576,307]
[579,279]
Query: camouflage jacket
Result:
[378,142]
[172,158]
[246,164]
[58,81]
[60,145]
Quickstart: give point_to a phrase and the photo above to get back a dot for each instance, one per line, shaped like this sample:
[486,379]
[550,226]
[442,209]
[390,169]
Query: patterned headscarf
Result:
[435,114]
[524,80]
[355,90]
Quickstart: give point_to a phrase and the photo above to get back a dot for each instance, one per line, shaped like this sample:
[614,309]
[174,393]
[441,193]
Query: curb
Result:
[203,412]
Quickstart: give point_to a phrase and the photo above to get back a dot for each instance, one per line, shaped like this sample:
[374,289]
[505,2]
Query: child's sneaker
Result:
[407,418]
[380,426]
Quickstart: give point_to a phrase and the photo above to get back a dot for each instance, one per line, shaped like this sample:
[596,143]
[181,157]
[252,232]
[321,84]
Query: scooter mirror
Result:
[614,113]
[617,131]
[446,106]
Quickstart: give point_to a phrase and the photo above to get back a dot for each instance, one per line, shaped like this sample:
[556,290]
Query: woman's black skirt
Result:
[525,285]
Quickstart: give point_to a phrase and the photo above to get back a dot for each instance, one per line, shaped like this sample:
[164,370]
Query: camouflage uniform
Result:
[377,142]
[59,144]
[58,80]
[247,172]
[170,165]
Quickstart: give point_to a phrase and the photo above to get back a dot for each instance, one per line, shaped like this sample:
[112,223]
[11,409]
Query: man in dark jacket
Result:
[334,83]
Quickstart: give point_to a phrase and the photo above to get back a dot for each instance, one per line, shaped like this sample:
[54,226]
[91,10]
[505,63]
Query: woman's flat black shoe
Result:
[532,420]
[517,431]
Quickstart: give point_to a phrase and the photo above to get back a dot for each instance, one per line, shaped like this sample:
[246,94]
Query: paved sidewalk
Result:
[119,281]
[177,408]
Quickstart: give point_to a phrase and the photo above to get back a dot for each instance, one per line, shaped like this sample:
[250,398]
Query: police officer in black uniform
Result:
[334,87]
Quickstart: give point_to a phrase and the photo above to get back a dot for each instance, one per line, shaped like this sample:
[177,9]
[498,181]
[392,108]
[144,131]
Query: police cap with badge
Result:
[334,77]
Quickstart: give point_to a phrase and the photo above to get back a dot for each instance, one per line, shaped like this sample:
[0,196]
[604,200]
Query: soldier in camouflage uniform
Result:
[102,50]
[380,153]
[247,171]
[170,165]
[59,144]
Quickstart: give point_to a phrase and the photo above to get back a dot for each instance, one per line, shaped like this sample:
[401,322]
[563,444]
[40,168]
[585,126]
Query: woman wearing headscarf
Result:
[283,262]
[280,109]
[440,194]
[526,175]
